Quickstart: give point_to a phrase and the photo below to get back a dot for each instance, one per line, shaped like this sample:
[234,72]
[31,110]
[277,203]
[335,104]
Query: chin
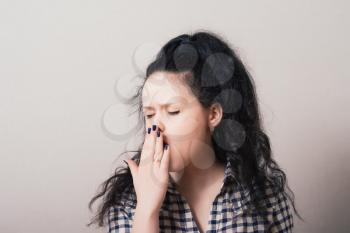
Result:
[176,164]
[175,168]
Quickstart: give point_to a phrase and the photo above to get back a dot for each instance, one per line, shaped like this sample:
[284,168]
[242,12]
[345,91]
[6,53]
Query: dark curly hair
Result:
[216,74]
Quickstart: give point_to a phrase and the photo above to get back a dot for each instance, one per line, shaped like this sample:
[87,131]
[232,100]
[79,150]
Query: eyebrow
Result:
[162,105]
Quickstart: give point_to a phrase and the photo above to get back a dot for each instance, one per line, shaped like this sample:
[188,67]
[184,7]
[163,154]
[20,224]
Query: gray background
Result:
[60,62]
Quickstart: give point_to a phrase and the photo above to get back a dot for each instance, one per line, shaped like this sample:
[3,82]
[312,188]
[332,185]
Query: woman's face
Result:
[168,102]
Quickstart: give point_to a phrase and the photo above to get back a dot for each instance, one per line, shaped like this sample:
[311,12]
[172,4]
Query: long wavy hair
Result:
[215,74]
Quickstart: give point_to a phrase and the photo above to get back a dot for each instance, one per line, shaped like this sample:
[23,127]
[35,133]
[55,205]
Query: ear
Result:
[215,115]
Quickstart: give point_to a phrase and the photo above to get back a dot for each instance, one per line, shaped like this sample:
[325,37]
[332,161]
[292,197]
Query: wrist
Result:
[146,211]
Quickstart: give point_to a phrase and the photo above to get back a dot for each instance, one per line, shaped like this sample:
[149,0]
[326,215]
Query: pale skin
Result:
[190,160]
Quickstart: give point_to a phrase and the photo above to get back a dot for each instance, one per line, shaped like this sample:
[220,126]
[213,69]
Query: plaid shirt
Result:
[228,212]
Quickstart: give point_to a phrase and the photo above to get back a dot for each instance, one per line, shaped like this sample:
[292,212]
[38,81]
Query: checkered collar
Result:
[227,182]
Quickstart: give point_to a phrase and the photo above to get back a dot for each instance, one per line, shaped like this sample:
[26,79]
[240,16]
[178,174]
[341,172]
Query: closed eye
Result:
[171,113]
[174,113]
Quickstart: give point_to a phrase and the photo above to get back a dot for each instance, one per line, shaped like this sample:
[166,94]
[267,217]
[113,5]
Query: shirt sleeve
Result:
[119,220]
[282,215]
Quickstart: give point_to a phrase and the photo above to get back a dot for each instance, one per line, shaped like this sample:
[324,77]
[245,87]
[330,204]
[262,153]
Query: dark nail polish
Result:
[158,133]
[149,130]
[154,127]
[166,146]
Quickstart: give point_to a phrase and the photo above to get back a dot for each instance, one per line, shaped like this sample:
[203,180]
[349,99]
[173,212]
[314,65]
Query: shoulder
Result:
[276,199]
[118,219]
[120,216]
[278,210]
[282,214]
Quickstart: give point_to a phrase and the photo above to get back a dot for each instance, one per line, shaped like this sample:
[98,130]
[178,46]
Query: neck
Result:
[193,179]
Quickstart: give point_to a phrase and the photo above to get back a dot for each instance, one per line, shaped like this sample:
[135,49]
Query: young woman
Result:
[205,164]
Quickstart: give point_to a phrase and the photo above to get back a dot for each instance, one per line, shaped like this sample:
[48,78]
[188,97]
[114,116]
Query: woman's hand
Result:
[151,177]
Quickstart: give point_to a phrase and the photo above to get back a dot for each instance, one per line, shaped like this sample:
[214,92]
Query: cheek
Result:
[195,151]
[180,156]
[201,154]
[184,128]
[177,161]
[180,138]
[181,130]
[185,136]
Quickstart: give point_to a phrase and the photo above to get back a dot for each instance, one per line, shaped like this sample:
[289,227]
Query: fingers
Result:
[158,147]
[148,148]
[164,165]
[154,158]
[132,166]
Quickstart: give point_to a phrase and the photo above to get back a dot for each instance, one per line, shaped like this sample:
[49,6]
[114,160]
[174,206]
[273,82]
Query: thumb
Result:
[132,166]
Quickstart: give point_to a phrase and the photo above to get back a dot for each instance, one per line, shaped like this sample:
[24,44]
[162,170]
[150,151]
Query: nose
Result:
[161,127]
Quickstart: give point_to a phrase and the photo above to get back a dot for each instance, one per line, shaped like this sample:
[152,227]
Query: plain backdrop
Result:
[65,67]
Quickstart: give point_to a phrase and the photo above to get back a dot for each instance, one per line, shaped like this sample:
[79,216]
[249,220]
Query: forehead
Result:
[165,87]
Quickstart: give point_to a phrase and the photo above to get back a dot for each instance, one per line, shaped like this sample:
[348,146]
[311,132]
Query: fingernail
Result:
[166,146]
[158,133]
[149,130]
[154,127]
